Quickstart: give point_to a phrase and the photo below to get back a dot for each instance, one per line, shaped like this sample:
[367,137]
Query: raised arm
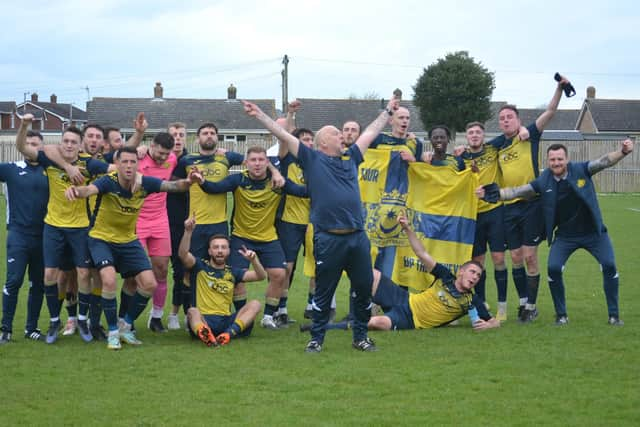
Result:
[416,244]
[258,273]
[27,151]
[612,158]
[140,125]
[292,109]
[375,127]
[544,118]
[188,260]
[254,111]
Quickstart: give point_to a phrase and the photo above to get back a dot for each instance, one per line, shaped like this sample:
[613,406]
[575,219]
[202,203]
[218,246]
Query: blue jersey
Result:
[27,192]
[332,184]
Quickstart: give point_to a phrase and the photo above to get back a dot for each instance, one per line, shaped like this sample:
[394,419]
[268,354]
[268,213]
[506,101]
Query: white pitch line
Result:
[634,209]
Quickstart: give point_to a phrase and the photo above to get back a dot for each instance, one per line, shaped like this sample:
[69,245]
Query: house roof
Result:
[316,113]
[60,110]
[37,113]
[7,106]
[562,135]
[614,115]
[159,112]
[562,119]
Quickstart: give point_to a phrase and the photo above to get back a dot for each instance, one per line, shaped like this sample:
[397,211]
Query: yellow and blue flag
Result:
[383,189]
[441,207]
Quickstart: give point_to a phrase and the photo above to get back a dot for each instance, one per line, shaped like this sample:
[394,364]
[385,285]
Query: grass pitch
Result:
[583,374]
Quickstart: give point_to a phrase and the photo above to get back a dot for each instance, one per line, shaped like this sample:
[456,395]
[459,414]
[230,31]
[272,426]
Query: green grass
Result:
[583,374]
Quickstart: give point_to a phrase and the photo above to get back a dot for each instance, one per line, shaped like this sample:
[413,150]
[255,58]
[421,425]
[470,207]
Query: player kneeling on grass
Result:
[210,317]
[448,298]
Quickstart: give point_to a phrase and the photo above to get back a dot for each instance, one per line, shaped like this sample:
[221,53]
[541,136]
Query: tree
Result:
[454,91]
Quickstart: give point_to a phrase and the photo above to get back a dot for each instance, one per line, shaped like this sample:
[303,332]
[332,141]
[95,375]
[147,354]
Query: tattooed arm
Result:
[525,191]
[610,159]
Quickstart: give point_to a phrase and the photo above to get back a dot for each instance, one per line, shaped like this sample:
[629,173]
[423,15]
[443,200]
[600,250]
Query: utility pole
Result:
[285,83]
[88,94]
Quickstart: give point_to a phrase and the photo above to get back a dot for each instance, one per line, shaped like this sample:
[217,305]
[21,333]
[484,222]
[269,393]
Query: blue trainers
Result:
[83,330]
[52,333]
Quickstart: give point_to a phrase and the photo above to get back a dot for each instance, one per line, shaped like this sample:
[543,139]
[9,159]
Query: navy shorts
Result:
[200,238]
[490,230]
[129,259]
[269,253]
[218,324]
[291,238]
[394,300]
[524,224]
[54,241]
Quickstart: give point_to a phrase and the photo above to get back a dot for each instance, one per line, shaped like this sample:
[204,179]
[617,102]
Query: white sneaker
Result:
[268,323]
[173,323]
[70,327]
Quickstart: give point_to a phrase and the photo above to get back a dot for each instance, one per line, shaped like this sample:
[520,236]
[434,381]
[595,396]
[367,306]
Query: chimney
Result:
[398,94]
[54,98]
[591,92]
[157,90]
[231,92]
[34,97]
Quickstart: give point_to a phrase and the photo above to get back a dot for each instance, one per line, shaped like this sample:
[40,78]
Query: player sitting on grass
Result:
[447,299]
[212,283]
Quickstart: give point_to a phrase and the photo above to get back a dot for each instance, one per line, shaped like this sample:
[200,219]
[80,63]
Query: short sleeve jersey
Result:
[332,183]
[296,209]
[487,162]
[155,204]
[442,302]
[214,287]
[25,214]
[255,204]
[518,159]
[117,210]
[209,208]
[60,211]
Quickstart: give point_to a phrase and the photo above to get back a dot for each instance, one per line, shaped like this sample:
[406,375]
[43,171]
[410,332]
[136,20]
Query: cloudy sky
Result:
[336,48]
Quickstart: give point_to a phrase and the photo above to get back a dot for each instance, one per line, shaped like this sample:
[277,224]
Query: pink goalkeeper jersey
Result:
[154,209]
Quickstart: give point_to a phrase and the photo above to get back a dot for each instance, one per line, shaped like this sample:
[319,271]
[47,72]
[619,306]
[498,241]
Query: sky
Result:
[337,49]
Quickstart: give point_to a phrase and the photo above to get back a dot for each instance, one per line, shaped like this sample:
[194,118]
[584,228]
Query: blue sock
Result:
[53,303]
[283,302]
[125,301]
[83,304]
[520,280]
[109,308]
[533,283]
[556,286]
[72,304]
[9,303]
[501,278]
[34,305]
[269,309]
[481,287]
[611,284]
[95,309]
[137,306]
